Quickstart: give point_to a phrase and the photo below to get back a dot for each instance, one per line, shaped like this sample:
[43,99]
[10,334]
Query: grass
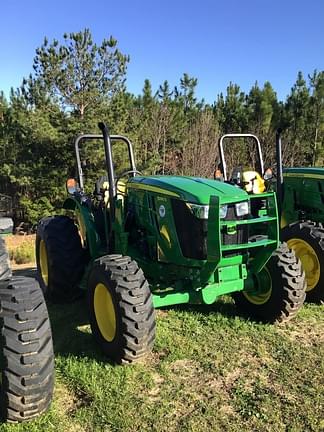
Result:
[210,371]
[21,248]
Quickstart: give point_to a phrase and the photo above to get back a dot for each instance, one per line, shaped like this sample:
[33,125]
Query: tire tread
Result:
[313,232]
[66,258]
[27,386]
[135,304]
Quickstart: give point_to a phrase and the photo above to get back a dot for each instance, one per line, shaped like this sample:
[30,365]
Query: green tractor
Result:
[26,347]
[300,195]
[302,219]
[138,242]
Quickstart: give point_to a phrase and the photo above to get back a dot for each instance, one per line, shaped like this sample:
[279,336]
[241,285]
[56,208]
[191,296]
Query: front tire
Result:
[26,356]
[307,241]
[279,289]
[121,309]
[60,258]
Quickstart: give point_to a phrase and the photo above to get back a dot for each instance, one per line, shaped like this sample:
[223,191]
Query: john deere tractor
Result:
[300,195]
[135,243]
[302,219]
[26,347]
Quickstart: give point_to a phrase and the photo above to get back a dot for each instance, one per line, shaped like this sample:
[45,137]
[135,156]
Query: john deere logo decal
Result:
[162,211]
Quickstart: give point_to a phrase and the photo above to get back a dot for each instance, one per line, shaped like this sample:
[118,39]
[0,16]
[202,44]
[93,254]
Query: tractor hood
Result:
[316,173]
[191,189]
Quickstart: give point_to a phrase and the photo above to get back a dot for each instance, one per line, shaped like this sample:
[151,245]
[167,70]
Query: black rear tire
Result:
[60,258]
[307,240]
[286,293]
[118,283]
[5,271]
[26,356]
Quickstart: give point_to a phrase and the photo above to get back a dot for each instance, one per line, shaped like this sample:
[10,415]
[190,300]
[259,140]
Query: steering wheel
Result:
[126,174]
[236,176]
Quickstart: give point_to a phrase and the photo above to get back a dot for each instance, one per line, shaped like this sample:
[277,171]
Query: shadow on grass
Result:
[72,335]
[71,331]
[70,325]
[70,322]
[221,306]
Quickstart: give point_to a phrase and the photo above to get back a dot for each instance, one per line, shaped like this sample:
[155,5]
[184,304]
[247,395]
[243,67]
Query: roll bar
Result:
[112,138]
[234,135]
[108,140]
[279,171]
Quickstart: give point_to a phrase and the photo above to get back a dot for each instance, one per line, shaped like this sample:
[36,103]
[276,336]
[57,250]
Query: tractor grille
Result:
[241,234]
[192,232]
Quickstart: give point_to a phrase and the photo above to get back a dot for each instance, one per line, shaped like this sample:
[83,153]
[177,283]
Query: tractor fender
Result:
[85,220]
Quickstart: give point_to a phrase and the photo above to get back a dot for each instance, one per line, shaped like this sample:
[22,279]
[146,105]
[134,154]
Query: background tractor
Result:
[136,243]
[300,195]
[302,219]
[26,348]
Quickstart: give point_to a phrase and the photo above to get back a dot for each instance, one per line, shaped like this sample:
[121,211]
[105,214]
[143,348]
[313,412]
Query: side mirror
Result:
[218,175]
[72,186]
[268,174]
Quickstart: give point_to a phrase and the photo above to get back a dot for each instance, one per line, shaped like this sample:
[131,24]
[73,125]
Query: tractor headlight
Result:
[242,208]
[223,211]
[201,211]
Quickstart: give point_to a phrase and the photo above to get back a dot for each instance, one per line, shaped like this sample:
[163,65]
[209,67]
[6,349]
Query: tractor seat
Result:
[121,190]
[253,182]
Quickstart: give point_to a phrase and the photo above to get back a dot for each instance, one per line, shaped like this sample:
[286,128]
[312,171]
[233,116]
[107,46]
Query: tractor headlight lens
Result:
[201,211]
[242,208]
[223,211]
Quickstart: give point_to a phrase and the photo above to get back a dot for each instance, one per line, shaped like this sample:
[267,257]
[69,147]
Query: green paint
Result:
[206,295]
[303,195]
[190,189]
[82,211]
[184,258]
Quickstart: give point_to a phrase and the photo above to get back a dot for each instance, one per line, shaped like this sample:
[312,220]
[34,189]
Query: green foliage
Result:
[234,117]
[77,83]
[316,116]
[35,210]
[79,73]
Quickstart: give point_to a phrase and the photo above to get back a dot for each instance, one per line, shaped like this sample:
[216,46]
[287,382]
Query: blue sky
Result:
[215,41]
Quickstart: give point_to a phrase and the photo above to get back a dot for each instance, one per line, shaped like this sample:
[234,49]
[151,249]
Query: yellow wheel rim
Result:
[263,290]
[310,262]
[105,312]
[43,262]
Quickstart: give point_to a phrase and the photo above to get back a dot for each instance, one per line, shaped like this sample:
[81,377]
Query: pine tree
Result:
[78,73]
[297,145]
[316,116]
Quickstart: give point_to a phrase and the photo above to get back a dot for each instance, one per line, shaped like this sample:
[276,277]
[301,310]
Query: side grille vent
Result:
[192,232]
